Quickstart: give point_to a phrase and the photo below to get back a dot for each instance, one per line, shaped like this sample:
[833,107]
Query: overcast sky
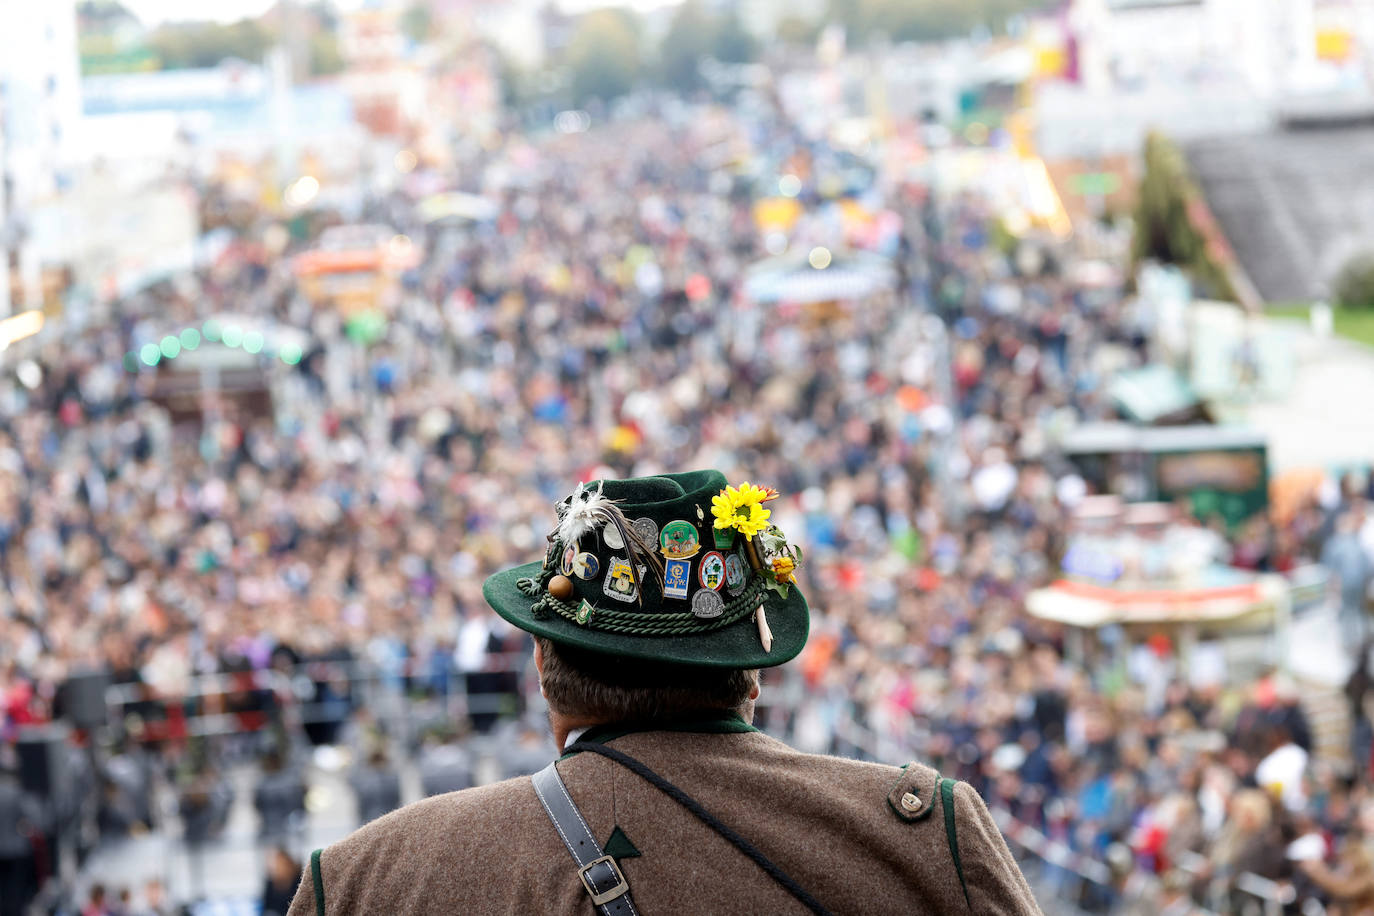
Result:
[155,11]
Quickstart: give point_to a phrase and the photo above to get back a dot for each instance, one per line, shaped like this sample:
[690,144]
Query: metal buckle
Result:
[621,885]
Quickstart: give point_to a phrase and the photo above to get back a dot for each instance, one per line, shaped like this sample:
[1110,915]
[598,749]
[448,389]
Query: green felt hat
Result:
[638,568]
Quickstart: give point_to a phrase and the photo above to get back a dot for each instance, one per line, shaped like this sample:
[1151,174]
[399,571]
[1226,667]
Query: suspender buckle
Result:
[593,882]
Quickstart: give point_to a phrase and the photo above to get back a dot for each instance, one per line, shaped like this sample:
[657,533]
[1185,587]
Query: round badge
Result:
[568,556]
[707,604]
[735,574]
[679,540]
[611,535]
[586,565]
[712,571]
[647,528]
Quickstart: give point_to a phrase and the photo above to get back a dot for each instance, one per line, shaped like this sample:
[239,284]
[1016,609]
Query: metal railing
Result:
[197,709]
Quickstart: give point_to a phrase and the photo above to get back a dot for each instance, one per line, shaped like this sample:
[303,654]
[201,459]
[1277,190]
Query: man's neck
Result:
[563,726]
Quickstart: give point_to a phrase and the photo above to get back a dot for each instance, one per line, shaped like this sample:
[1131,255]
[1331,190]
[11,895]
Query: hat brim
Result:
[733,646]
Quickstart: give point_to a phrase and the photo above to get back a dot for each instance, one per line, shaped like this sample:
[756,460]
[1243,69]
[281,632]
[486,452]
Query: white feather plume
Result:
[586,511]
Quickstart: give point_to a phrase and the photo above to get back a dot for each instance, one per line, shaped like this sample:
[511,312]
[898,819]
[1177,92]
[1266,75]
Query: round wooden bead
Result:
[561,587]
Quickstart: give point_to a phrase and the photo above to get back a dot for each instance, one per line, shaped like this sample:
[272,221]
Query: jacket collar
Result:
[708,723]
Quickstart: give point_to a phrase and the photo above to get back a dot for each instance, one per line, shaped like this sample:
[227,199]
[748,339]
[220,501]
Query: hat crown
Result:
[639,567]
[653,495]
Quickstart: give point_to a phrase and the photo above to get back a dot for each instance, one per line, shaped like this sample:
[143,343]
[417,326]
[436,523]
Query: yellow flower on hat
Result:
[741,508]
[782,569]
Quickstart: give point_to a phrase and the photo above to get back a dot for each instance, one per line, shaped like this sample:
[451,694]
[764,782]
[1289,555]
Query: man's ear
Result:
[539,667]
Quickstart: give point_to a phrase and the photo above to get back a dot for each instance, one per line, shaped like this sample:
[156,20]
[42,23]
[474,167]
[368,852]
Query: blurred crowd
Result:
[282,573]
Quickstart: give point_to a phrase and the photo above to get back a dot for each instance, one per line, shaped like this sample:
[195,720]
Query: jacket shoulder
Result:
[908,791]
[396,859]
[436,812]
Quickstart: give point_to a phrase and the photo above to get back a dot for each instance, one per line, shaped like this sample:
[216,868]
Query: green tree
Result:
[516,84]
[325,57]
[324,14]
[731,41]
[102,15]
[417,22]
[686,42]
[1166,227]
[795,30]
[1354,286]
[603,55]
[695,33]
[924,20]
[206,44]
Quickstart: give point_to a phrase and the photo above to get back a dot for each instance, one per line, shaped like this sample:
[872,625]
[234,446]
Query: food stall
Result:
[1220,470]
[1146,572]
[356,268]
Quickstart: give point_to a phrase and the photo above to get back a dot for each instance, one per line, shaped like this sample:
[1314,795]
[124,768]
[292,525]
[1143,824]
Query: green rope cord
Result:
[531,587]
[638,623]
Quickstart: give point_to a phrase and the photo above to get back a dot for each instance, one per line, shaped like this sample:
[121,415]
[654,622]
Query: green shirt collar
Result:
[706,724]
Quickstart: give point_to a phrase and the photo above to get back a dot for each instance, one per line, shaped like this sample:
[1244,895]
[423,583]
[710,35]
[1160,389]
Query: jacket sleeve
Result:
[995,883]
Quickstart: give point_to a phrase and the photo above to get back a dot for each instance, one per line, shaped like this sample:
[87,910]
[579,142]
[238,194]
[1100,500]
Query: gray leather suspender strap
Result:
[601,876]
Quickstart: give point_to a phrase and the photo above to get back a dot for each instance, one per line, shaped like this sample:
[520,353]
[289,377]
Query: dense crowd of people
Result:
[253,579]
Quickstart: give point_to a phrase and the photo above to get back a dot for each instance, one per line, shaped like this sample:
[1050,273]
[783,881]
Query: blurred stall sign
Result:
[135,60]
[1189,472]
[776,213]
[1081,604]
[1006,179]
[1051,62]
[457,207]
[355,268]
[17,327]
[216,108]
[1095,184]
[806,277]
[1221,470]
[1334,44]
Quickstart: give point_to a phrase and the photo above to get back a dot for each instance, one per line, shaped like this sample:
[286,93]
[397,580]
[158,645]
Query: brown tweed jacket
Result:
[836,826]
